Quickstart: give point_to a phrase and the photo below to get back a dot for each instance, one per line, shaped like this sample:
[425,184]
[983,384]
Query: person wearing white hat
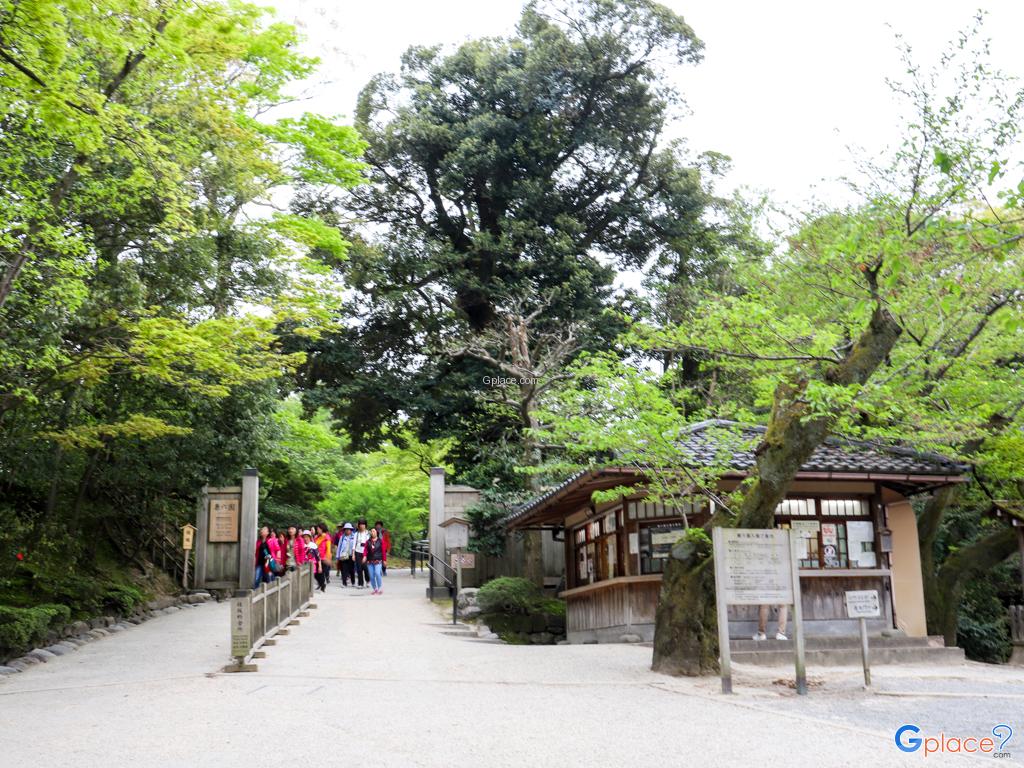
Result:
[347,555]
[313,556]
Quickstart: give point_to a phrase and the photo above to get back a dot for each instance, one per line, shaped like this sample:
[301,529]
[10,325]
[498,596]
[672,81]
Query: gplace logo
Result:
[908,740]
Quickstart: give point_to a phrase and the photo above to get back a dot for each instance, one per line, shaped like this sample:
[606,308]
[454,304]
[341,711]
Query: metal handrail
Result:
[422,548]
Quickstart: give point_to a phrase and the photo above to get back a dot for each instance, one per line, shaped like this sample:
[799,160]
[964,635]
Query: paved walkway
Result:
[377,678]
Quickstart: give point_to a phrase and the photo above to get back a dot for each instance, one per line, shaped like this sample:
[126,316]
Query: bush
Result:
[23,628]
[509,595]
[122,598]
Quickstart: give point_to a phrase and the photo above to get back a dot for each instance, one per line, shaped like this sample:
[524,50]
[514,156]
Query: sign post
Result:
[862,604]
[756,566]
[188,534]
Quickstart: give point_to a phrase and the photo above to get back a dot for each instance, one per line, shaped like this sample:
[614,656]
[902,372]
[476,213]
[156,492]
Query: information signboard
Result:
[757,566]
[463,560]
[224,517]
[757,570]
[241,627]
[863,604]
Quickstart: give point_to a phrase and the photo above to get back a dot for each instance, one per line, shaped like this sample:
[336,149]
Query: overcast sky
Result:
[784,87]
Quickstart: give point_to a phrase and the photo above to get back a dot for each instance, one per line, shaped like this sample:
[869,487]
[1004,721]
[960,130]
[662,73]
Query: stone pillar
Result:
[435,532]
[202,537]
[247,528]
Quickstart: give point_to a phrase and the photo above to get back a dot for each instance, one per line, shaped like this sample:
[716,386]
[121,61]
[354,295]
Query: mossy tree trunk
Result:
[982,555]
[685,634]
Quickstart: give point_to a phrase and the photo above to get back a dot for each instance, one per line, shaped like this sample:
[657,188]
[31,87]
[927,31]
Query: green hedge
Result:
[22,629]
[509,595]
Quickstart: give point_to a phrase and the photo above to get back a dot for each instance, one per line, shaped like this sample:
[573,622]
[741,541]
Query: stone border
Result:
[73,636]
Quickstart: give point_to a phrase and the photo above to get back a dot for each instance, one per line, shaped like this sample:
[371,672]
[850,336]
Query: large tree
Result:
[897,319]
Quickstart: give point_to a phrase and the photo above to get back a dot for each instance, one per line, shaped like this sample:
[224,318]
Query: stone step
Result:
[826,657]
[840,642]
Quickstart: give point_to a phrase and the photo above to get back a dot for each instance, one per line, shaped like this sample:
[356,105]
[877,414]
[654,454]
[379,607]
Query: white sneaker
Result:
[760,636]
[780,636]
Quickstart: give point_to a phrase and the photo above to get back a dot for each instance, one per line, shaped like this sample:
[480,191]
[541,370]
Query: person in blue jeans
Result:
[375,561]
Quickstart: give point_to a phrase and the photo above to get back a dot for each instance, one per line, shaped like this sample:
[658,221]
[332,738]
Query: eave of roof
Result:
[548,508]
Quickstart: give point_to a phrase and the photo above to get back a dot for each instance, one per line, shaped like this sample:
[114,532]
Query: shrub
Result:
[509,595]
[122,598]
[23,628]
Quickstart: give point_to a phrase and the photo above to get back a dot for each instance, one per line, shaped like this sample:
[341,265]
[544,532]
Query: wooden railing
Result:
[1017,624]
[257,615]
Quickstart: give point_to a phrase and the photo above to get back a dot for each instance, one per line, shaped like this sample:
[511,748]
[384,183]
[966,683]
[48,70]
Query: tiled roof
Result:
[733,444]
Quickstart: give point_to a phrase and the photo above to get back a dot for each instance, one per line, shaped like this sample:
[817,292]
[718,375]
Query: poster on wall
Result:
[829,534]
[860,535]
[663,538]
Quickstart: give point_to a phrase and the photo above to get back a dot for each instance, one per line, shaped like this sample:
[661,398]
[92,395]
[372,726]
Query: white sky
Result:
[784,88]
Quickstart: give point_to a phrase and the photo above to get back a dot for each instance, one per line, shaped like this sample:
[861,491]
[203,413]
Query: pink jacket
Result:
[299,548]
[275,548]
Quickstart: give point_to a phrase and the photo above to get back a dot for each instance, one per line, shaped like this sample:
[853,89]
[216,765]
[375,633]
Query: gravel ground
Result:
[380,673]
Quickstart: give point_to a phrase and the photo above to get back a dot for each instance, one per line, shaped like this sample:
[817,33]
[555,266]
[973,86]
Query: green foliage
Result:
[509,595]
[393,486]
[24,628]
[983,626]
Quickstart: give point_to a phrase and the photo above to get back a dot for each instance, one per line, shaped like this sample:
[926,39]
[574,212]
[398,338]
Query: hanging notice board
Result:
[224,514]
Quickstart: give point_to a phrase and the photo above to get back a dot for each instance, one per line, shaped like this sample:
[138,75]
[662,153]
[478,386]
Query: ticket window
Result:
[832,533]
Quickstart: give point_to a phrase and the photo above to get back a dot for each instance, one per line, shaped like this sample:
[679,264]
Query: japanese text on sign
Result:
[757,568]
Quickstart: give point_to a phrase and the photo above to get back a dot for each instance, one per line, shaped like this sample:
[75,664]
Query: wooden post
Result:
[247,530]
[184,576]
[798,618]
[864,651]
[725,659]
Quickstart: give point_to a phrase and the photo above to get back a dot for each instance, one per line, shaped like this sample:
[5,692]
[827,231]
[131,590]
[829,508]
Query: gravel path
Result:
[363,666]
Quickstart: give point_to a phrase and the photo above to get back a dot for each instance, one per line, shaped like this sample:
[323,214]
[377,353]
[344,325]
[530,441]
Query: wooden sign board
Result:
[224,517]
[241,627]
[757,568]
[468,559]
[863,604]
[188,534]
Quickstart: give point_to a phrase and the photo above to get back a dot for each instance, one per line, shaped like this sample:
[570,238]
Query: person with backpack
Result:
[263,559]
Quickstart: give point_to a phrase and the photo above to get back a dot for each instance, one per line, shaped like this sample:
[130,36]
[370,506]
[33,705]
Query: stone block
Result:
[630,638]
[97,623]
[42,655]
[541,638]
[79,628]
[4,671]
[61,649]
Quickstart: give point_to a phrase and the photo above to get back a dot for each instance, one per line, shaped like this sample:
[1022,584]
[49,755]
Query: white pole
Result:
[864,651]
[798,617]
[725,659]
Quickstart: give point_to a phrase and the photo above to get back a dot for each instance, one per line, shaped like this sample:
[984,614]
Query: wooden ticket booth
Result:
[849,502]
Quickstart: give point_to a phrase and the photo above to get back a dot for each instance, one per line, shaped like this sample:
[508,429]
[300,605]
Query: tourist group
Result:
[359,554]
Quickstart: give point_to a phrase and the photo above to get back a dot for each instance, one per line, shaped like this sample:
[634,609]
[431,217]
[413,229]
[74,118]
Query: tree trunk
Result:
[686,624]
[686,638]
[983,555]
[927,531]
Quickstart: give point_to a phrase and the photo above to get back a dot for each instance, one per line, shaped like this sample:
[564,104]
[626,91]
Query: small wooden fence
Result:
[259,614]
